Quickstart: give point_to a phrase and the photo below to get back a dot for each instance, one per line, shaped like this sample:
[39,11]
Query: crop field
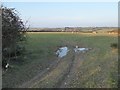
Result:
[41,68]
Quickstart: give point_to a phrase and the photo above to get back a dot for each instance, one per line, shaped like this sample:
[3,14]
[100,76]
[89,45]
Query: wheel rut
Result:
[64,67]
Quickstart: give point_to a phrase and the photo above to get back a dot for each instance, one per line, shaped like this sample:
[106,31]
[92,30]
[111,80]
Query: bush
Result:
[114,45]
[13,31]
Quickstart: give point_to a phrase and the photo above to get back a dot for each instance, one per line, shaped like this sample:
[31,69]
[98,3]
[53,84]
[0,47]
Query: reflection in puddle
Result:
[62,52]
[81,49]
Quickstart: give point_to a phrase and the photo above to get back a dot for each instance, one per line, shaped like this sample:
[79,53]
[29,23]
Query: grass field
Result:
[41,68]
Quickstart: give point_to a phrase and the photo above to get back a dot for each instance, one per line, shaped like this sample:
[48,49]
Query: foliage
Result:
[13,32]
[114,45]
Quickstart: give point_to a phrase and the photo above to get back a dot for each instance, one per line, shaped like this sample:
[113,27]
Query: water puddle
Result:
[61,52]
[77,49]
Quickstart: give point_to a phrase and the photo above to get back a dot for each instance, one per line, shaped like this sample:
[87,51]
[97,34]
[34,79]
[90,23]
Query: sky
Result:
[60,0]
[67,14]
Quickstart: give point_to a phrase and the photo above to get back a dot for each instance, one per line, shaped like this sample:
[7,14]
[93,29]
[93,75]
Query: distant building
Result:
[72,29]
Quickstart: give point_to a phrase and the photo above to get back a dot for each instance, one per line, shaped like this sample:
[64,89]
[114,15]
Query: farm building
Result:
[71,29]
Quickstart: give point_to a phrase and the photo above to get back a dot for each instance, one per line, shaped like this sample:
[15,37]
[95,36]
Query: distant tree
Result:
[13,31]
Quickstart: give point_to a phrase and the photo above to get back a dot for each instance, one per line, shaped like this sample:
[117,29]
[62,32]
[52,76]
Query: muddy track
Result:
[66,76]
[62,81]
[40,75]
[78,58]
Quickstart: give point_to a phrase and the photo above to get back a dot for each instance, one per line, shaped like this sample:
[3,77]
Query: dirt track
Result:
[59,74]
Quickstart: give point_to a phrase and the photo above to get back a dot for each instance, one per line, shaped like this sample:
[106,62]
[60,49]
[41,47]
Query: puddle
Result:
[81,49]
[62,52]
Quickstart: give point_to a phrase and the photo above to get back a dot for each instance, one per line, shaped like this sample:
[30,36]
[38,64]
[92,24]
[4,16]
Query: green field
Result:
[41,68]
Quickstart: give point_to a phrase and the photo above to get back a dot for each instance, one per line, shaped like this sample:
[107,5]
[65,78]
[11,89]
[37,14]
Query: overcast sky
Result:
[65,14]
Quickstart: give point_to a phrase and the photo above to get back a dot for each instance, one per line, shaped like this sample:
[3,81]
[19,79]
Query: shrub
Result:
[114,45]
[13,30]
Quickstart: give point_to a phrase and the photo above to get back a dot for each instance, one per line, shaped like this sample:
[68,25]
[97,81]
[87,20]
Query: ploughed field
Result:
[41,68]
